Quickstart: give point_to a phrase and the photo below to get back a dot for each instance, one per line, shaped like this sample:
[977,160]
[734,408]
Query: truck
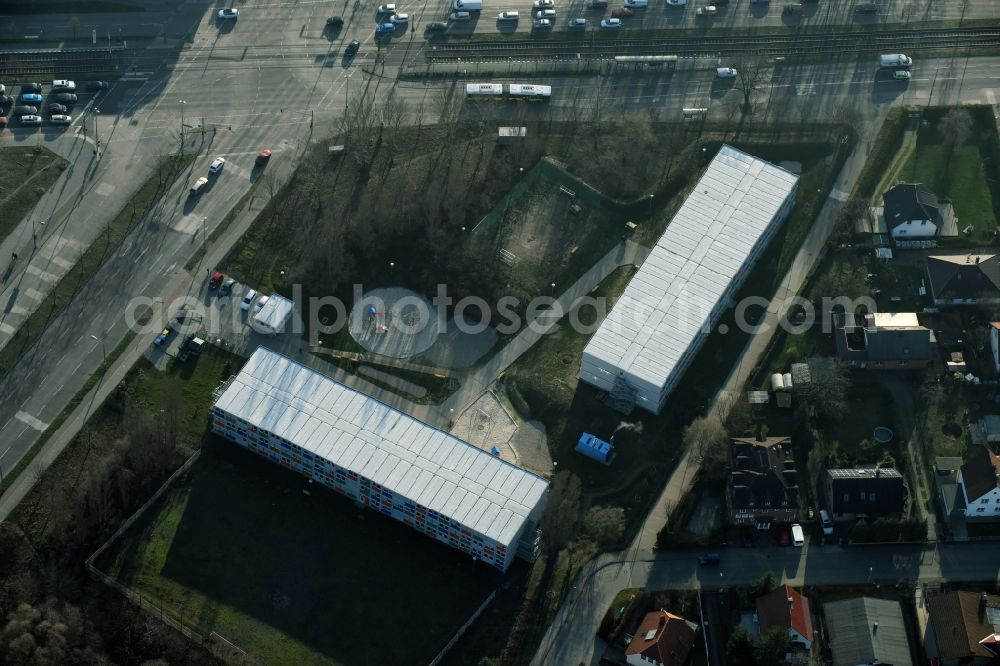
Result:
[894,60]
[468,5]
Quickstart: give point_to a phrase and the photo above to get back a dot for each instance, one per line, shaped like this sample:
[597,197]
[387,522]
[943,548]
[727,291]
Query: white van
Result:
[798,537]
[725,73]
[824,519]
[460,16]
[467,5]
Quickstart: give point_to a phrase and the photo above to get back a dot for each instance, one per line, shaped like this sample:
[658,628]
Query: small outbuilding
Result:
[273,316]
[597,449]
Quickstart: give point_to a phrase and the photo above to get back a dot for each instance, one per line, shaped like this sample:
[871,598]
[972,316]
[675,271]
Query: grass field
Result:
[956,175]
[29,173]
[239,549]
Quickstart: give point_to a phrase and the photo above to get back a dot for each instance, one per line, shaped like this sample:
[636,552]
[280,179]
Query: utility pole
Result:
[183,103]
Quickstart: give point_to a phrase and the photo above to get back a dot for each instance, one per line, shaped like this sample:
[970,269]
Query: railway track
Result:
[499,50]
[19,64]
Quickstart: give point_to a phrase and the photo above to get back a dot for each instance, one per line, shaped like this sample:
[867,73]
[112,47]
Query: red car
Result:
[621,12]
[216,280]
[263,156]
[783,536]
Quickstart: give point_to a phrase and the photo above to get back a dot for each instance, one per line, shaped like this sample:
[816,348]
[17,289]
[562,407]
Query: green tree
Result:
[740,648]
[765,584]
[772,647]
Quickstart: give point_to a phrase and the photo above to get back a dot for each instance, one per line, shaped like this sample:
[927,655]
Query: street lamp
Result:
[183,104]
[870,571]
[97,129]
[347,96]
[104,351]
[392,265]
[651,203]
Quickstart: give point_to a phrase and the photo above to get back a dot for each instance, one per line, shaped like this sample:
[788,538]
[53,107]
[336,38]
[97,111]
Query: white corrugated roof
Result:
[671,296]
[393,449]
[275,312]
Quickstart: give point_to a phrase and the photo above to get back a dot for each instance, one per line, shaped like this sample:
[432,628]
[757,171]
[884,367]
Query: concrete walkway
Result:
[571,642]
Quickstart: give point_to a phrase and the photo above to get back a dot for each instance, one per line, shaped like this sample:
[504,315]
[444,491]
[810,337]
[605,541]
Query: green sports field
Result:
[238,548]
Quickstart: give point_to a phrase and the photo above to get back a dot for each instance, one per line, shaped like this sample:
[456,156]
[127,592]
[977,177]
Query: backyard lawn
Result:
[956,175]
[239,548]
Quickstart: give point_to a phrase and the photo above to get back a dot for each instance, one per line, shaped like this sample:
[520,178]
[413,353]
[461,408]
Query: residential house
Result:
[964,279]
[882,341]
[865,492]
[662,638]
[763,487]
[865,630]
[785,607]
[979,479]
[963,628]
[913,212]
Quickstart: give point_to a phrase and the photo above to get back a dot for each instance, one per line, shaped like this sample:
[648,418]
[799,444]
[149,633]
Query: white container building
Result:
[382,458]
[649,338]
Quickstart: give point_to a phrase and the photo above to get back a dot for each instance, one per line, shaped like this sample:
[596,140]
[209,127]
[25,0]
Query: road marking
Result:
[839,195]
[31,421]
[34,294]
[44,276]
[59,261]
[7,329]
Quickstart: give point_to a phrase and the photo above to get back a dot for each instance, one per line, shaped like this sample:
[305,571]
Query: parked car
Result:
[6,99]
[792,9]
[676,3]
[436,26]
[56,108]
[825,522]
[63,85]
[263,157]
[508,16]
[783,535]
[621,12]
[248,299]
[708,559]
[64,98]
[866,8]
[725,73]
[162,337]
[798,536]
[24,110]
[382,28]
[30,98]
[710,10]
[95,86]
[545,14]
[351,49]
[638,4]
[31,120]
[544,4]
[577,23]
[901,75]
[542,24]
[611,23]
[334,22]
[460,16]
[259,305]
[60,119]
[229,14]
[227,287]
[31,87]
[387,9]
[215,280]
[199,186]
[217,164]
[400,18]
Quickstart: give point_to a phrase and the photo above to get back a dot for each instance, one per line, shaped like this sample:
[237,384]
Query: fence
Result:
[197,634]
[461,630]
[915,244]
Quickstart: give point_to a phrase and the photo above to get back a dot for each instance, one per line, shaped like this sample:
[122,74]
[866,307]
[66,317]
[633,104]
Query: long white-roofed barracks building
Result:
[674,300]
[380,457]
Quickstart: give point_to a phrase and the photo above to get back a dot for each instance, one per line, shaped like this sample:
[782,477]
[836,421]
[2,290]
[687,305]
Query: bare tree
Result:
[827,389]
[749,72]
[707,438]
[955,128]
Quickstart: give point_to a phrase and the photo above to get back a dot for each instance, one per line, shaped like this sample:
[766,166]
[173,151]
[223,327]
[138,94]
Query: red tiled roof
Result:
[669,643]
[992,643]
[775,610]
